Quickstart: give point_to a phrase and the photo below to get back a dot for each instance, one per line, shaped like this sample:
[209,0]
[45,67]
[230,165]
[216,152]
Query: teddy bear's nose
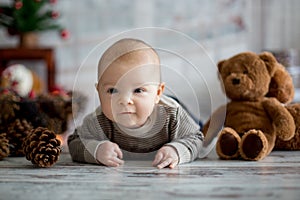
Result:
[235,81]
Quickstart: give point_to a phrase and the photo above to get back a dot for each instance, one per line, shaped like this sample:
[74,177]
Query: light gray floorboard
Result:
[275,177]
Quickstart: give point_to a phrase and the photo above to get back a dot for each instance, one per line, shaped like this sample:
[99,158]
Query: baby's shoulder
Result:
[168,102]
[92,115]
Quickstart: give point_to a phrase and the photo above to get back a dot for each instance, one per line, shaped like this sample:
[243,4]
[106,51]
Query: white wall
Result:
[274,24]
[222,27]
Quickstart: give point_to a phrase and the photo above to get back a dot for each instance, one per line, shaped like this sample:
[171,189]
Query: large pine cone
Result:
[41,147]
[16,134]
[4,148]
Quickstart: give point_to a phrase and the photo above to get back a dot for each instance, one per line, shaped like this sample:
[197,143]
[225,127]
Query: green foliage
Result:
[23,16]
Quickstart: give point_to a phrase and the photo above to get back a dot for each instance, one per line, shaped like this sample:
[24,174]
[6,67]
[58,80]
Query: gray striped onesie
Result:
[169,124]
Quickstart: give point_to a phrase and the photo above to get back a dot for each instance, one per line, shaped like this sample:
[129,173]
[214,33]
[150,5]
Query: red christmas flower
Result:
[18,5]
[65,34]
[31,94]
[54,14]
[53,1]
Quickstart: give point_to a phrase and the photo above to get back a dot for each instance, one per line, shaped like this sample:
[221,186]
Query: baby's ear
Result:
[97,86]
[160,91]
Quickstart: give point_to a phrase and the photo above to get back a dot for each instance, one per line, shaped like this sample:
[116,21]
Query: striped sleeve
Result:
[187,137]
[86,139]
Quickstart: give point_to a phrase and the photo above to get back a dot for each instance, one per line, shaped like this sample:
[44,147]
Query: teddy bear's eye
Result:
[245,72]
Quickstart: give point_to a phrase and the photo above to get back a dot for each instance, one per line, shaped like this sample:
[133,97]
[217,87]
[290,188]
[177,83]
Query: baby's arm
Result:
[186,137]
[85,140]
[109,154]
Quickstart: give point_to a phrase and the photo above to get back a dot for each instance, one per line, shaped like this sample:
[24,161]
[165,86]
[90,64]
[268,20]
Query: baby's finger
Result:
[157,159]
[118,160]
[173,164]
[115,162]
[119,153]
[165,163]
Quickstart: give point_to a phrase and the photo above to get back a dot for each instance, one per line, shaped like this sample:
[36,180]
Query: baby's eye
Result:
[112,90]
[139,90]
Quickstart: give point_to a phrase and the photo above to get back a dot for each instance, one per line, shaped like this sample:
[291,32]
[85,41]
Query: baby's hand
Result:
[166,156]
[109,154]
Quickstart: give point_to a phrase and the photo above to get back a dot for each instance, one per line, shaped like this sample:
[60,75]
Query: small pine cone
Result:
[16,134]
[8,105]
[56,125]
[4,148]
[53,105]
[41,147]
[57,109]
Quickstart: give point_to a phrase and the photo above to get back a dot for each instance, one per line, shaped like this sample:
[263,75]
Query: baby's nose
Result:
[125,99]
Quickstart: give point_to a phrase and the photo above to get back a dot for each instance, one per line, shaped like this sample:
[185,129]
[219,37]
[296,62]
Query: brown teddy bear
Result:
[255,115]
[294,143]
[282,88]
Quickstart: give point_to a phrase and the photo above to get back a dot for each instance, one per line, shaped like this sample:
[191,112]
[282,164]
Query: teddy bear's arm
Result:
[281,118]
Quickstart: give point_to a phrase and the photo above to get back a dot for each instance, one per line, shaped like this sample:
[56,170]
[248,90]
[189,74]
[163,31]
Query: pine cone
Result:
[16,134]
[4,148]
[8,105]
[57,109]
[41,147]
[54,105]
[56,125]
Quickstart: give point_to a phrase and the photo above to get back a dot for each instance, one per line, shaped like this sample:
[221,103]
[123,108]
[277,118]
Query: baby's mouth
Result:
[126,113]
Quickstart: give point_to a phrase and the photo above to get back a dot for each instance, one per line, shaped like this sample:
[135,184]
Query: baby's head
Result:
[129,82]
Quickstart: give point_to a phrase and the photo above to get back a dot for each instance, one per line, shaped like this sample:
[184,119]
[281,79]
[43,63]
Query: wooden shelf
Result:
[46,54]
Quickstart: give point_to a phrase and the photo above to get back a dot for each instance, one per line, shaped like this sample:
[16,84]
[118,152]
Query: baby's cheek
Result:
[107,111]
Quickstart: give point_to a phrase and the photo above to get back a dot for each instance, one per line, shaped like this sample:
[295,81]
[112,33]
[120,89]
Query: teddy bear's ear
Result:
[220,65]
[270,61]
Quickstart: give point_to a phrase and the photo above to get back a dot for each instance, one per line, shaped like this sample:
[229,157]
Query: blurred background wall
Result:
[222,27]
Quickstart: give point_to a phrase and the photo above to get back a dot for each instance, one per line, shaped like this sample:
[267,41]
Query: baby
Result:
[134,116]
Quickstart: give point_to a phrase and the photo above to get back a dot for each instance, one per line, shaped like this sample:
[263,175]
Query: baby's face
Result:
[128,89]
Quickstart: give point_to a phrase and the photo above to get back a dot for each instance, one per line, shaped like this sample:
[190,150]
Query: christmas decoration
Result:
[54,104]
[29,125]
[22,80]
[41,147]
[26,16]
[4,148]
[51,110]
[16,134]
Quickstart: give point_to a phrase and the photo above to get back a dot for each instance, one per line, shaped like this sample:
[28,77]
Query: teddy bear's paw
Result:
[228,144]
[254,145]
[292,144]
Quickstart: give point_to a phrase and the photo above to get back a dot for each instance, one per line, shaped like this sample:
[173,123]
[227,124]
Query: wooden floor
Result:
[276,177]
